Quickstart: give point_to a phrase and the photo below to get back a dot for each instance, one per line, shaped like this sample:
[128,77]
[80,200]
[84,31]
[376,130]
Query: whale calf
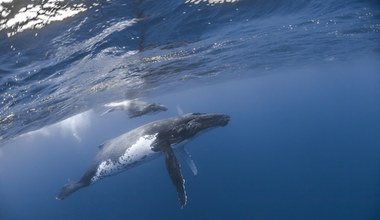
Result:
[146,143]
[135,108]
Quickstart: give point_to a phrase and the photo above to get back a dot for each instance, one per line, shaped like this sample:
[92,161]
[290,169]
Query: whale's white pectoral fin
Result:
[174,171]
[187,158]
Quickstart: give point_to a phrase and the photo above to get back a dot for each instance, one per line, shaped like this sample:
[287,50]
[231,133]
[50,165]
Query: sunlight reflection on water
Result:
[17,18]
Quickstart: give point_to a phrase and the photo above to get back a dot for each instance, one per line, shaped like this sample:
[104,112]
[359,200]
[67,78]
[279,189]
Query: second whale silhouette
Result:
[135,108]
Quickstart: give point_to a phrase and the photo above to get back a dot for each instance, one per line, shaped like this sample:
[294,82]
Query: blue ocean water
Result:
[300,80]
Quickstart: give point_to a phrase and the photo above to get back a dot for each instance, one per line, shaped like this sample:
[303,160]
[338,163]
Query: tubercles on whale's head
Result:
[198,122]
[209,120]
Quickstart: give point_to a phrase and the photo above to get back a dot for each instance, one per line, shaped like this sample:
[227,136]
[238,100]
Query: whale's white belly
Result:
[138,153]
[121,105]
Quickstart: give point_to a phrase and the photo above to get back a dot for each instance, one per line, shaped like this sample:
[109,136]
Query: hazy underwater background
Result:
[300,80]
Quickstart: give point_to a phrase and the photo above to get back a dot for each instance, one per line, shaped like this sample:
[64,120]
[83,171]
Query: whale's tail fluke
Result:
[69,188]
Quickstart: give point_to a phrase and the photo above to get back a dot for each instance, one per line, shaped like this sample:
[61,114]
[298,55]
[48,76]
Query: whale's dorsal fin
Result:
[187,158]
[174,171]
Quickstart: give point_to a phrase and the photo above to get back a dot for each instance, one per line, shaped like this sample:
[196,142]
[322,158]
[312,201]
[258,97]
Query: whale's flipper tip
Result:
[174,171]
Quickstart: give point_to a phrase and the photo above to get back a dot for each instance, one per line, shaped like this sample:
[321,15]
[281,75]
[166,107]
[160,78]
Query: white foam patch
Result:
[136,153]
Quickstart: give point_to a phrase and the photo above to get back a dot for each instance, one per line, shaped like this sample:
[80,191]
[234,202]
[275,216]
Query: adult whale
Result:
[146,143]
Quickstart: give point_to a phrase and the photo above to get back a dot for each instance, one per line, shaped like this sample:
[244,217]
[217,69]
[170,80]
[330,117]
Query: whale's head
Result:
[189,125]
[155,107]
[141,108]
[201,121]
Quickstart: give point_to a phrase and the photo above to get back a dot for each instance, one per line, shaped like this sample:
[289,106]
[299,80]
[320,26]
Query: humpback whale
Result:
[146,143]
[134,108]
